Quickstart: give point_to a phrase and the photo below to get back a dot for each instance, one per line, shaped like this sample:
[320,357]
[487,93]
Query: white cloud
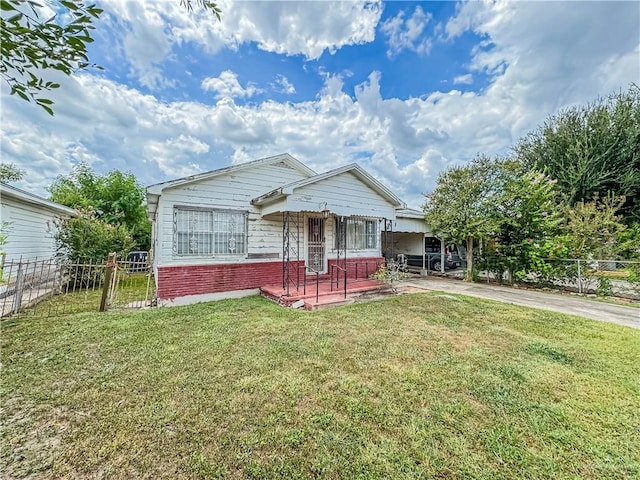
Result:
[227,85]
[174,155]
[463,79]
[404,143]
[553,54]
[540,57]
[283,85]
[151,29]
[407,34]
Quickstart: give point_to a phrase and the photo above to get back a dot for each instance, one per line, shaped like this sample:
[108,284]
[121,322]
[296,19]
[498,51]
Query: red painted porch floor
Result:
[326,295]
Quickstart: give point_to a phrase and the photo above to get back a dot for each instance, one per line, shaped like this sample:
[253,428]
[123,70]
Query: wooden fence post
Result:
[111,263]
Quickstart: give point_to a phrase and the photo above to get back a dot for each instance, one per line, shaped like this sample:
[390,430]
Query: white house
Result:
[230,231]
[27,220]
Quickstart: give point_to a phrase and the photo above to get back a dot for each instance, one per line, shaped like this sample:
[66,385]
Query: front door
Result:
[315,244]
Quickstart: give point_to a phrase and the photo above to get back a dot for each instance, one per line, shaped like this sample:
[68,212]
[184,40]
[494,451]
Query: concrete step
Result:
[326,295]
[327,301]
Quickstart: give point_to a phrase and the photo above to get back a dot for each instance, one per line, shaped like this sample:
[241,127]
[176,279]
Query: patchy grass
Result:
[415,386]
[132,288]
[614,301]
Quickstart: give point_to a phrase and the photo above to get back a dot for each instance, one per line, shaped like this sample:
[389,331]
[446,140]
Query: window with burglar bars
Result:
[202,232]
[361,234]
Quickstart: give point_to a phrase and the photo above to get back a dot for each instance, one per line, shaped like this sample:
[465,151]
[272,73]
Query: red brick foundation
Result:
[362,267]
[183,280]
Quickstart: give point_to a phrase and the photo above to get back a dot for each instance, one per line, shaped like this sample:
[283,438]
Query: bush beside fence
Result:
[609,277]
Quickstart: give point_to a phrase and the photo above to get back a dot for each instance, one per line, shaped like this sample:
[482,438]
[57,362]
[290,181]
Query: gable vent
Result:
[283,165]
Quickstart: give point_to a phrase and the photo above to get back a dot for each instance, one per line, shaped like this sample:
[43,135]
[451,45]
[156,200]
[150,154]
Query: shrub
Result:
[391,273]
[85,239]
[88,239]
[605,287]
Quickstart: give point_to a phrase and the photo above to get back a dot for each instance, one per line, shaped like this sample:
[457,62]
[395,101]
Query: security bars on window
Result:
[208,232]
[361,234]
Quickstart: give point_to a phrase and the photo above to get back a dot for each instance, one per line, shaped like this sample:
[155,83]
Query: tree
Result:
[116,197]
[10,173]
[33,41]
[591,150]
[461,208]
[530,219]
[593,228]
[497,200]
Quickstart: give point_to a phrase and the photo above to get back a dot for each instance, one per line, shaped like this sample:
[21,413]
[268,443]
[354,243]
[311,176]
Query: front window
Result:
[361,234]
[209,232]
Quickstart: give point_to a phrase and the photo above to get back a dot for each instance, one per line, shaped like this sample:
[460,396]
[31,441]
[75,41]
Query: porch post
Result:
[388,235]
[341,250]
[290,250]
[285,234]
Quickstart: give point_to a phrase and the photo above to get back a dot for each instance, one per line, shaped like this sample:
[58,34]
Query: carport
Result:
[408,240]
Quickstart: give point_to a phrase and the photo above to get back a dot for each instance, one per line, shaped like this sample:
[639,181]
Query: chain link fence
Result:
[607,278]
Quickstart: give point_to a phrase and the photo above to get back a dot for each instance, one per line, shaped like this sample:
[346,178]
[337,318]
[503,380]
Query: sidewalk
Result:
[606,312]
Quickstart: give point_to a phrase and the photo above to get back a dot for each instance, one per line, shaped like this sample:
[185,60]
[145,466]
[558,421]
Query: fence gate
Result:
[50,287]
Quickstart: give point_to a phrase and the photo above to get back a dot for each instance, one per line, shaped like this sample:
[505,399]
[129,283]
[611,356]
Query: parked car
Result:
[137,261]
[453,256]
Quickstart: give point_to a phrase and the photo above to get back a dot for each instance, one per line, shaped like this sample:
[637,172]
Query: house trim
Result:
[26,197]
[154,191]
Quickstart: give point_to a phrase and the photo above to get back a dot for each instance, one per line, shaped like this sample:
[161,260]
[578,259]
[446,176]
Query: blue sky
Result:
[407,89]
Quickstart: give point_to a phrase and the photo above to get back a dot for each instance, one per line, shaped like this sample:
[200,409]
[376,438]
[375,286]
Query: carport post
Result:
[441,254]
[424,255]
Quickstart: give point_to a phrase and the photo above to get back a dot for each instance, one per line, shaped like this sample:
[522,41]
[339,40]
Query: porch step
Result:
[326,295]
[326,301]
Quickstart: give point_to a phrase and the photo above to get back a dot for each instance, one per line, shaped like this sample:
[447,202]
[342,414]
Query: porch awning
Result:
[409,220]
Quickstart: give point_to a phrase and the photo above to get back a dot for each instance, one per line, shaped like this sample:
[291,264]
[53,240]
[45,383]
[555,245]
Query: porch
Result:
[332,238]
[326,259]
[316,293]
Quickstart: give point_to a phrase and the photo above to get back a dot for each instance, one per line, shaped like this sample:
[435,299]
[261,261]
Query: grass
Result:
[415,386]
[132,288]
[613,301]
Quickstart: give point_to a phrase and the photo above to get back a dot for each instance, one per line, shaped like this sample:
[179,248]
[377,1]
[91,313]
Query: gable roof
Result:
[353,168]
[7,191]
[285,158]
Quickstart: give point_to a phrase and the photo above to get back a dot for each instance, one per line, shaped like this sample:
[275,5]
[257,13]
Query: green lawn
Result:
[132,288]
[415,386]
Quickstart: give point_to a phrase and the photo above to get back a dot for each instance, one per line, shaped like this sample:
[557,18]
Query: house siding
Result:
[345,194]
[29,234]
[232,191]
[199,278]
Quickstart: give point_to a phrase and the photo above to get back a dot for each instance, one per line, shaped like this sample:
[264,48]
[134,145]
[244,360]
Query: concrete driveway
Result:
[606,312]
